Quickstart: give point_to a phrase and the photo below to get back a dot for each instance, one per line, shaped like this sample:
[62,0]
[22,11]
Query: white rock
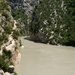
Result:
[18,58]
[11,46]
[11,66]
[1,72]
[6,73]
[15,25]
[0,52]
[22,46]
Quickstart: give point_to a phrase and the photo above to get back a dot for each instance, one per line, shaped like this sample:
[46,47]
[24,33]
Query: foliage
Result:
[52,16]
[3,64]
[7,29]
[5,60]
[3,37]
[19,13]
[7,54]
[70,22]
[5,14]
[16,34]
[3,5]
[34,28]
[15,73]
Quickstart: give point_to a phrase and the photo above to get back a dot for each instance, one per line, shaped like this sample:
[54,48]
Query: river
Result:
[44,59]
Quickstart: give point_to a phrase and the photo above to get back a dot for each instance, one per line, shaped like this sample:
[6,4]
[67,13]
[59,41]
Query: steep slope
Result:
[53,21]
[9,41]
[46,21]
[22,11]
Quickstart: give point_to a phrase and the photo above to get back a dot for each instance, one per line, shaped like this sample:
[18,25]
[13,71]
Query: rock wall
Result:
[9,45]
[27,5]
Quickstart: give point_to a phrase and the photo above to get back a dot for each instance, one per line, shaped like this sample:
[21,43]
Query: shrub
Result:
[6,54]
[3,64]
[1,38]
[3,6]
[7,29]
[5,14]
[16,34]
[20,13]
[15,73]
[20,43]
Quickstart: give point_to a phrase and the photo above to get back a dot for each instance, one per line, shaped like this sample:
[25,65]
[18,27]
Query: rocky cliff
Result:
[27,5]
[22,11]
[9,41]
[54,21]
[47,21]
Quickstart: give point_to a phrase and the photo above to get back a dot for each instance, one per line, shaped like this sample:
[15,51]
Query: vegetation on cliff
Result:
[56,19]
[51,21]
[9,34]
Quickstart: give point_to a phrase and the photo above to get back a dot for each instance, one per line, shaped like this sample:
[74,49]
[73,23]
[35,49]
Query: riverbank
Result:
[44,59]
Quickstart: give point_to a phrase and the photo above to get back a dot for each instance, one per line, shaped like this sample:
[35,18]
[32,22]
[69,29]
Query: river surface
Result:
[44,59]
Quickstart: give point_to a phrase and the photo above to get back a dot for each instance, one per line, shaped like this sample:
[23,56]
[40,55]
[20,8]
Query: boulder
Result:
[34,37]
[1,72]
[7,73]
[11,69]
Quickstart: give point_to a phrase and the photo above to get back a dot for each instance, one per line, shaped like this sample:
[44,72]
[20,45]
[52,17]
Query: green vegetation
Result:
[19,14]
[5,14]
[35,26]
[3,5]
[55,20]
[3,64]
[16,34]
[3,38]
[15,73]
[7,54]
[5,60]
[7,29]
[70,22]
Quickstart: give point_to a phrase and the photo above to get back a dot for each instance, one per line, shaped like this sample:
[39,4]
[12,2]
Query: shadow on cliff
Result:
[36,41]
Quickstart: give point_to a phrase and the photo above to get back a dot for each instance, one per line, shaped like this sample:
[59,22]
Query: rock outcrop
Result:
[27,5]
[9,38]
[56,19]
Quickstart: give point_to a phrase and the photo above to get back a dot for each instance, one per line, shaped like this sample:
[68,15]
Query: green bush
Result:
[1,38]
[20,13]
[7,29]
[3,64]
[3,5]
[5,14]
[15,73]
[16,34]
[6,54]
[20,43]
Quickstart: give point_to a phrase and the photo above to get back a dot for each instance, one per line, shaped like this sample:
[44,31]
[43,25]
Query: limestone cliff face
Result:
[22,11]
[9,38]
[48,20]
[55,21]
[27,5]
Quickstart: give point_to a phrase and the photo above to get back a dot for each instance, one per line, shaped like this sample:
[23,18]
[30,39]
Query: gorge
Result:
[45,59]
[47,23]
